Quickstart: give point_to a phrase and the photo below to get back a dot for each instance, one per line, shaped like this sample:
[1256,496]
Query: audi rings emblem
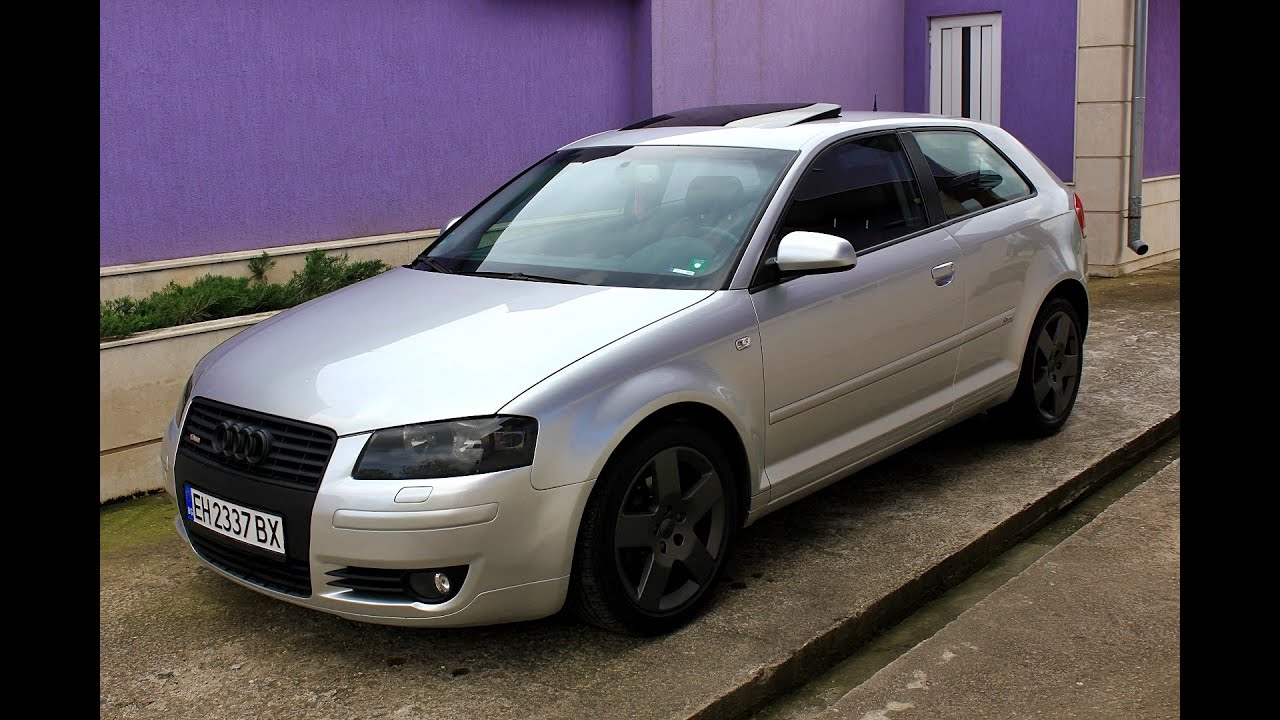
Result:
[242,442]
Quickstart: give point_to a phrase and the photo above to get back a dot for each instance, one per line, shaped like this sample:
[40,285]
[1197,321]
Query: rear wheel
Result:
[1051,369]
[656,532]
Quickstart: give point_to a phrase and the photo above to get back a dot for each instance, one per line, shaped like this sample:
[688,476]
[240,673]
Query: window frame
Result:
[924,161]
[764,277]
[754,226]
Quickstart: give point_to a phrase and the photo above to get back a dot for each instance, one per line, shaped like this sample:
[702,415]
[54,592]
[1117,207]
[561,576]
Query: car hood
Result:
[412,346]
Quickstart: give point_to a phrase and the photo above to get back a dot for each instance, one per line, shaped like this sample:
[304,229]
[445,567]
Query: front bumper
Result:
[516,541]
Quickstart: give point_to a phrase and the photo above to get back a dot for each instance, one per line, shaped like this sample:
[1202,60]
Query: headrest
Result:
[711,195]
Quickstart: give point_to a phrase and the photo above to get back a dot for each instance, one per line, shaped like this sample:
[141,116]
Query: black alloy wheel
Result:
[655,533]
[1055,372]
[1052,366]
[669,529]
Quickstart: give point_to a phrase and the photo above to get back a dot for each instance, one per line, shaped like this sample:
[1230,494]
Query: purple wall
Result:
[1037,69]
[235,124]
[734,51]
[1162,138]
[641,60]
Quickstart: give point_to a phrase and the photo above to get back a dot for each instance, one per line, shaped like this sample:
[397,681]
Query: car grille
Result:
[292,577]
[299,451]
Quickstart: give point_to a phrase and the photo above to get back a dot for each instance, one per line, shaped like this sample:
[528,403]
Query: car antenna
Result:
[875,100]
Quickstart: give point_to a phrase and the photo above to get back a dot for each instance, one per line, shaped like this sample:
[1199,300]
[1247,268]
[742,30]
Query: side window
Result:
[862,190]
[970,174]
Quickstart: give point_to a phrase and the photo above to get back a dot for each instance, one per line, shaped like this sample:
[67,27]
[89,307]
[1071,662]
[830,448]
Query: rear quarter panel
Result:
[1013,256]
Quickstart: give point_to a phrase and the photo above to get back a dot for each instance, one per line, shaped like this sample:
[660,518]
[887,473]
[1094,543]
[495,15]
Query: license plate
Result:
[259,529]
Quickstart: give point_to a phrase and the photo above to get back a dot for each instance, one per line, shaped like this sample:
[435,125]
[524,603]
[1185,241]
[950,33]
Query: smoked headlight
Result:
[448,449]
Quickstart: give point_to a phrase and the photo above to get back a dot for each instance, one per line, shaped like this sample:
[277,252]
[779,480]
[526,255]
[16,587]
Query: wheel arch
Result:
[594,591]
[1075,293]
[710,419]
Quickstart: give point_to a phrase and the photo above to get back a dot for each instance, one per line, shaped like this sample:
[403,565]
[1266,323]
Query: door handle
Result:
[944,273]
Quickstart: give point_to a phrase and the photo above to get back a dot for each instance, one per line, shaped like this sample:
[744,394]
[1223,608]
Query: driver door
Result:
[857,361]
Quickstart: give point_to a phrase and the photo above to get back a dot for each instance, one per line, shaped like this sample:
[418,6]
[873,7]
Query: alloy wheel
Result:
[670,530]
[1056,367]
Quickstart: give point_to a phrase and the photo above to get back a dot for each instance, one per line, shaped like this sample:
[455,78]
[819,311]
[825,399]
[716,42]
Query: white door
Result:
[964,66]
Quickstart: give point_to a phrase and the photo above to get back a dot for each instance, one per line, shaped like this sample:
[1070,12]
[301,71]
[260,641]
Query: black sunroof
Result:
[713,115]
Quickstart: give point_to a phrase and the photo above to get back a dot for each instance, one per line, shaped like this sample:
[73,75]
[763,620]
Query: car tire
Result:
[655,533]
[1052,365]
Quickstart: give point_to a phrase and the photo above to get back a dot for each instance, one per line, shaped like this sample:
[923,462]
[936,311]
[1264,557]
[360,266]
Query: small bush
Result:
[259,266]
[216,296]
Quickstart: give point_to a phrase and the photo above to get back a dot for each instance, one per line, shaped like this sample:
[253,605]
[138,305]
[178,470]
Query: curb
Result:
[822,651]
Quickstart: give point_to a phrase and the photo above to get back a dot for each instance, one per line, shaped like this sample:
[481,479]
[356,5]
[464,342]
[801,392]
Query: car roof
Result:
[741,133]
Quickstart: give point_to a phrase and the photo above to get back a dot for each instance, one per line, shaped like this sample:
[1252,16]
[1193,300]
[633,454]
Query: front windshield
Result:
[643,216]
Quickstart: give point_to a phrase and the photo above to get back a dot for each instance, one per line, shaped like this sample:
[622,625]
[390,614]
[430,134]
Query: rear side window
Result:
[862,191]
[970,174]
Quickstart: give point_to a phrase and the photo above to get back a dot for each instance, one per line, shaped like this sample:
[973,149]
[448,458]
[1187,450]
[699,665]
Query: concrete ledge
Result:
[141,279]
[189,329]
[1138,263]
[139,379]
[128,470]
[822,650]
[1094,623]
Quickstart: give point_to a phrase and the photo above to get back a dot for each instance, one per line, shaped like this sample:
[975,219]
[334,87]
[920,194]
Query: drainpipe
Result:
[1136,116]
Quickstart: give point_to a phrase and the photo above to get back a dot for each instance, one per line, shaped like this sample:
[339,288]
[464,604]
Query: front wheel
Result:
[655,533]
[1051,369]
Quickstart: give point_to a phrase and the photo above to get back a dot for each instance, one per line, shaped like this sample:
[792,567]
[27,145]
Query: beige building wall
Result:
[1103,104]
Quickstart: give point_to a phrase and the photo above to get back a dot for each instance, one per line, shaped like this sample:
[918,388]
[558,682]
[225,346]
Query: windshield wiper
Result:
[522,276]
[435,264]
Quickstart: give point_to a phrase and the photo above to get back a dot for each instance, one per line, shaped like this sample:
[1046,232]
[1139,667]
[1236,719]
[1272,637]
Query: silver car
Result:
[586,386]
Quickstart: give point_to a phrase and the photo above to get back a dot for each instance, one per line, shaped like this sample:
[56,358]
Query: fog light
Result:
[435,585]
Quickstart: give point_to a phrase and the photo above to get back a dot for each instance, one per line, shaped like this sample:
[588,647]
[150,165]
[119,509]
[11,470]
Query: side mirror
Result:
[450,224]
[809,252]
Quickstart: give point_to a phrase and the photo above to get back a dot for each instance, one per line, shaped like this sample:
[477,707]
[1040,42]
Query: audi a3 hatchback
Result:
[581,391]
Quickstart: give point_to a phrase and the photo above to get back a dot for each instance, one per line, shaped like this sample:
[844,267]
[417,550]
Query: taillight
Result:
[1080,214]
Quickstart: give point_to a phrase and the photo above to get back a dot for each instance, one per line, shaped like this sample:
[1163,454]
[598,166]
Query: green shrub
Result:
[216,296]
[259,266]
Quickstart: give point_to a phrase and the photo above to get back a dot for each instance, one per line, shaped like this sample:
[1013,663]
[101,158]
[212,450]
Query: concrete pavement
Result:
[806,583]
[1088,631]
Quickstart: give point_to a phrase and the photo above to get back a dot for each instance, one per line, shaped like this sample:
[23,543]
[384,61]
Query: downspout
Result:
[1137,116]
